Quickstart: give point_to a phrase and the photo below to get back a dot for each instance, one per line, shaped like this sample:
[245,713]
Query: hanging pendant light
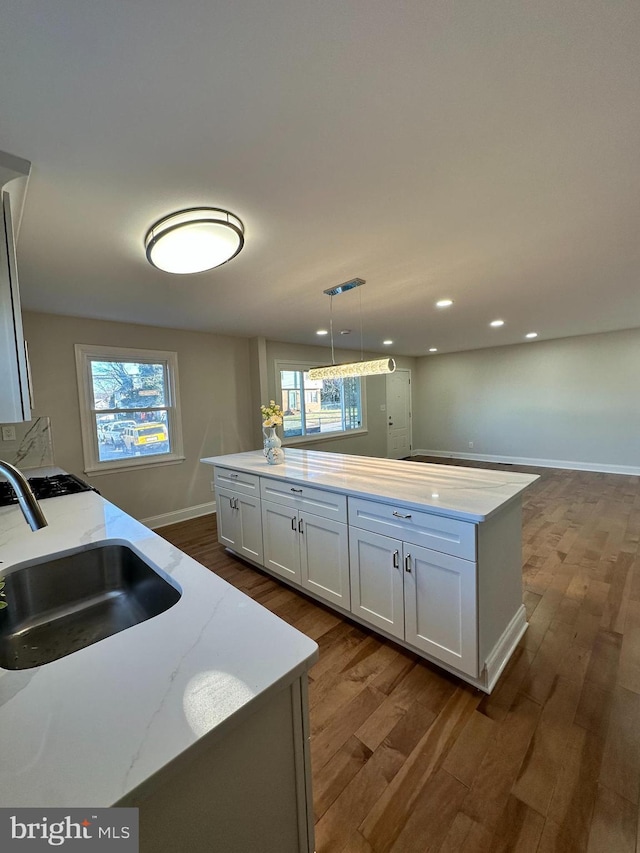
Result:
[350,368]
[353,368]
[194,240]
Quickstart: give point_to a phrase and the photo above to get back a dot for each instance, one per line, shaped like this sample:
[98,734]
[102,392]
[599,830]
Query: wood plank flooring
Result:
[407,758]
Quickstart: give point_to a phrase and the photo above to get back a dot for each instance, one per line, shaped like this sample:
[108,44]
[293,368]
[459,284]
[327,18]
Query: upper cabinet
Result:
[15,388]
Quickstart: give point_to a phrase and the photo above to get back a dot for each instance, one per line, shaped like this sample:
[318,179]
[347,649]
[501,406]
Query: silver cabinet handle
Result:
[296,490]
[300,528]
[407,563]
[396,559]
[235,503]
[400,515]
[293,523]
[231,503]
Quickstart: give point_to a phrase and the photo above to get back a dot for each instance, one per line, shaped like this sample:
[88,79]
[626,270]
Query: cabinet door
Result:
[440,607]
[226,519]
[324,558]
[14,380]
[376,580]
[280,537]
[249,526]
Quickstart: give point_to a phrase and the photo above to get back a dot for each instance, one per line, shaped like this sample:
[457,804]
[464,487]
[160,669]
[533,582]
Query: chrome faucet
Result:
[27,500]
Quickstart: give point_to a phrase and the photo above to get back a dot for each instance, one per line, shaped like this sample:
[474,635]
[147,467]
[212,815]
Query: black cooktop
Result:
[46,487]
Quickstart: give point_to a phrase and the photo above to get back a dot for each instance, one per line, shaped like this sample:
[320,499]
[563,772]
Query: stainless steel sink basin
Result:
[64,603]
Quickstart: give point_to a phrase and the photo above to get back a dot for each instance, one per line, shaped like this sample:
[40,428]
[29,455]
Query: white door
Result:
[399,414]
[324,555]
[376,580]
[280,538]
[249,532]
[440,607]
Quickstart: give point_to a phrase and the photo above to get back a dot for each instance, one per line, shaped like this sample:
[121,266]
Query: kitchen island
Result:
[197,715]
[427,555]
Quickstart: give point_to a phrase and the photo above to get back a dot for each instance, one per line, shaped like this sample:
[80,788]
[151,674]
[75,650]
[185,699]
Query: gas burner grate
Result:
[46,487]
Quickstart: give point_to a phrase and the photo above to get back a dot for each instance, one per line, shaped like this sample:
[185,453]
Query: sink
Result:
[66,602]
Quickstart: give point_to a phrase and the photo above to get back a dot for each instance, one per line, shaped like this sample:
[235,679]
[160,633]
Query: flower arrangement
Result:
[271,414]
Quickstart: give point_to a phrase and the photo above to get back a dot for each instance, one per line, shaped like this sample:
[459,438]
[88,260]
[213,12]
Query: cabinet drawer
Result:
[447,535]
[237,481]
[317,501]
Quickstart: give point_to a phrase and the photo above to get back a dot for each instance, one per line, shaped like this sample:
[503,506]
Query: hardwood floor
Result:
[407,758]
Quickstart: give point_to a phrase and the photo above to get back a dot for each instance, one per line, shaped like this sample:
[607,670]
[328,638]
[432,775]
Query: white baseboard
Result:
[599,467]
[166,518]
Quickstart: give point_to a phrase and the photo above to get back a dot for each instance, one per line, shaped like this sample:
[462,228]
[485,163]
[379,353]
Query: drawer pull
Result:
[407,563]
[293,523]
[296,490]
[396,559]
[400,515]
[234,476]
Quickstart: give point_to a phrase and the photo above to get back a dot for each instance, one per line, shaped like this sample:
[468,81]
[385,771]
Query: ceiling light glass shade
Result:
[353,368]
[194,240]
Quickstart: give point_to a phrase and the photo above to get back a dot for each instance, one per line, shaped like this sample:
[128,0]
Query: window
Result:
[318,407]
[129,407]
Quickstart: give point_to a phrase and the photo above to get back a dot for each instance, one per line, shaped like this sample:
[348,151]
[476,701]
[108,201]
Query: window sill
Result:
[132,464]
[322,436]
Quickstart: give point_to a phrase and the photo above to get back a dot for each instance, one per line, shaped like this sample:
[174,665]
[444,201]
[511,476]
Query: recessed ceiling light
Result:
[531,335]
[387,343]
[322,332]
[444,303]
[433,349]
[496,323]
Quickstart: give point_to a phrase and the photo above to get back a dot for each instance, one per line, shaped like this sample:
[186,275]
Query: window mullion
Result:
[303,404]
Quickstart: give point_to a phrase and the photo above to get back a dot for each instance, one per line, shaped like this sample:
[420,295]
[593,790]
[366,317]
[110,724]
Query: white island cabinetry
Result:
[428,555]
[238,511]
[306,538]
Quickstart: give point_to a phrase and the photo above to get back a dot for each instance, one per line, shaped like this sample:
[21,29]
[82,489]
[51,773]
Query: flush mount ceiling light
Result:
[531,335]
[352,368]
[496,323]
[194,240]
[444,303]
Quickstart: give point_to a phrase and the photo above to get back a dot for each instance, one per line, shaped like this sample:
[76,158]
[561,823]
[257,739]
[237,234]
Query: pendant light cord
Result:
[333,358]
[361,344]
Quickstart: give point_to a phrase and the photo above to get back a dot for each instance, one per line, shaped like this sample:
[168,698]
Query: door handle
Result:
[235,503]
[390,423]
[300,528]
[396,559]
[293,523]
[231,503]
[407,563]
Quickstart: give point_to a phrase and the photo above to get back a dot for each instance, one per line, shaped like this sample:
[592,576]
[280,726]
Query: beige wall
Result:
[570,400]
[374,442]
[215,396]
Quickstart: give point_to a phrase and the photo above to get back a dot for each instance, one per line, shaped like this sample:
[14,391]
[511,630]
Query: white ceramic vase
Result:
[272,446]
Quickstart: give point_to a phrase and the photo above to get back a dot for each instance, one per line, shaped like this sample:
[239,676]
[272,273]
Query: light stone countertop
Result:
[87,729]
[470,494]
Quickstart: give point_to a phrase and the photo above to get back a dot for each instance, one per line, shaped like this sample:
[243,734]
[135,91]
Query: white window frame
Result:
[281,364]
[85,354]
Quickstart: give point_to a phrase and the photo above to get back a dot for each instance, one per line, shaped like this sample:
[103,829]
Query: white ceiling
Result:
[484,151]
